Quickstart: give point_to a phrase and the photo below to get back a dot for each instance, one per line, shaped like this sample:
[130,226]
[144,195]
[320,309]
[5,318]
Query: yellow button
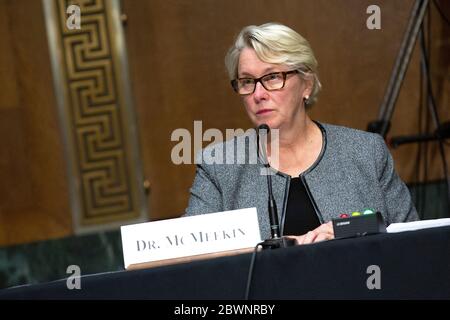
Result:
[356,213]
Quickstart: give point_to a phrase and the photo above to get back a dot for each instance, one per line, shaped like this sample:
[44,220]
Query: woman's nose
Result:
[260,92]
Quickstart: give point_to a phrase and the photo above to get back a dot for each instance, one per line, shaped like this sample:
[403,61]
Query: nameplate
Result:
[189,236]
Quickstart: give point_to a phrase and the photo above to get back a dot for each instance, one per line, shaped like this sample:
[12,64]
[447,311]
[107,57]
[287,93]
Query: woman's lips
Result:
[263,111]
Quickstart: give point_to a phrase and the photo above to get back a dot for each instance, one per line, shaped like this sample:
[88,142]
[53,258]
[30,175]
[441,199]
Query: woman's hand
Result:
[321,233]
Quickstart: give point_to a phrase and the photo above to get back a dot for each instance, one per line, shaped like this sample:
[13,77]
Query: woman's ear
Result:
[309,81]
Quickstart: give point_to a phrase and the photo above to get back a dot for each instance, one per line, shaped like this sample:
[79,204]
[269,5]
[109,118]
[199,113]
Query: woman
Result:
[322,170]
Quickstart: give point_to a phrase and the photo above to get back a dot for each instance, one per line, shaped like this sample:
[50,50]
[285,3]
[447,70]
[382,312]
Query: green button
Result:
[368,211]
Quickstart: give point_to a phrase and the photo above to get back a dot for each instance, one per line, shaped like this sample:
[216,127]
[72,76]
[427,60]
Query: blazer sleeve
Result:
[205,193]
[396,194]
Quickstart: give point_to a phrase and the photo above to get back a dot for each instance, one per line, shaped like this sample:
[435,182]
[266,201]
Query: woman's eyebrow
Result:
[265,71]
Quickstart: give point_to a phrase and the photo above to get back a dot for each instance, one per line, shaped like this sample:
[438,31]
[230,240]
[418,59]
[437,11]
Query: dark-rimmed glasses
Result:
[270,82]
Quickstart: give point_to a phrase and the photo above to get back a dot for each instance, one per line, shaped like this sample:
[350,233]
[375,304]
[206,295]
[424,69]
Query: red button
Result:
[343,215]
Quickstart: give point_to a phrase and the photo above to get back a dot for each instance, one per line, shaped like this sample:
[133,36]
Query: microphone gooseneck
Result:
[276,240]
[263,131]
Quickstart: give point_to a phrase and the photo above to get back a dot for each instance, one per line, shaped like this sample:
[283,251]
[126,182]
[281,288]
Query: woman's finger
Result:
[323,237]
[325,228]
[309,237]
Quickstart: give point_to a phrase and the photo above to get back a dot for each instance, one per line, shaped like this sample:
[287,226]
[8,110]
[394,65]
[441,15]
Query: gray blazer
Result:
[353,171]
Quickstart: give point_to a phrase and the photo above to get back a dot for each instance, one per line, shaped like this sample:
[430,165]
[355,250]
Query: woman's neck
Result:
[298,148]
[297,135]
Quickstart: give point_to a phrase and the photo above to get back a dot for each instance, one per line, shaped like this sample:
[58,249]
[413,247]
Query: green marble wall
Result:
[48,260]
[102,252]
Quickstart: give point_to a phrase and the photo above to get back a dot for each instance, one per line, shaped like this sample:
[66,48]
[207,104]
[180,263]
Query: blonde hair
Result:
[278,44]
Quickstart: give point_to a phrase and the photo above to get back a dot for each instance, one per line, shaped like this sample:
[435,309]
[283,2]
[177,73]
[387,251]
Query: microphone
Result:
[276,240]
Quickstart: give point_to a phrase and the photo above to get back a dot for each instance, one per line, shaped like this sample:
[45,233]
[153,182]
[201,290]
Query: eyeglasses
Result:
[271,81]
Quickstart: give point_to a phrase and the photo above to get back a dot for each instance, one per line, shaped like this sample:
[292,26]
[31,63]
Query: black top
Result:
[300,215]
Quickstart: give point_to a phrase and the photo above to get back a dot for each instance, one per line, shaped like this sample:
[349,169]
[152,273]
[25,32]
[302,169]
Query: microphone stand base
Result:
[276,243]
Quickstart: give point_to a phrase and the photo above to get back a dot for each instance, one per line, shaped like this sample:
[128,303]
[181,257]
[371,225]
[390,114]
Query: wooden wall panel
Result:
[33,189]
[8,75]
[96,116]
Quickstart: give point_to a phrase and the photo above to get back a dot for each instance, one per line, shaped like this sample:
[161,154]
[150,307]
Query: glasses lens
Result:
[246,85]
[273,81]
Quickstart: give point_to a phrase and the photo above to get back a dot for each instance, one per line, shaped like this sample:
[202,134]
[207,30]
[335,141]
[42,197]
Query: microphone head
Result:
[263,127]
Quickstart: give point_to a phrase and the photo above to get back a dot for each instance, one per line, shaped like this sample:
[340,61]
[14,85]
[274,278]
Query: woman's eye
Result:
[274,76]
[246,82]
